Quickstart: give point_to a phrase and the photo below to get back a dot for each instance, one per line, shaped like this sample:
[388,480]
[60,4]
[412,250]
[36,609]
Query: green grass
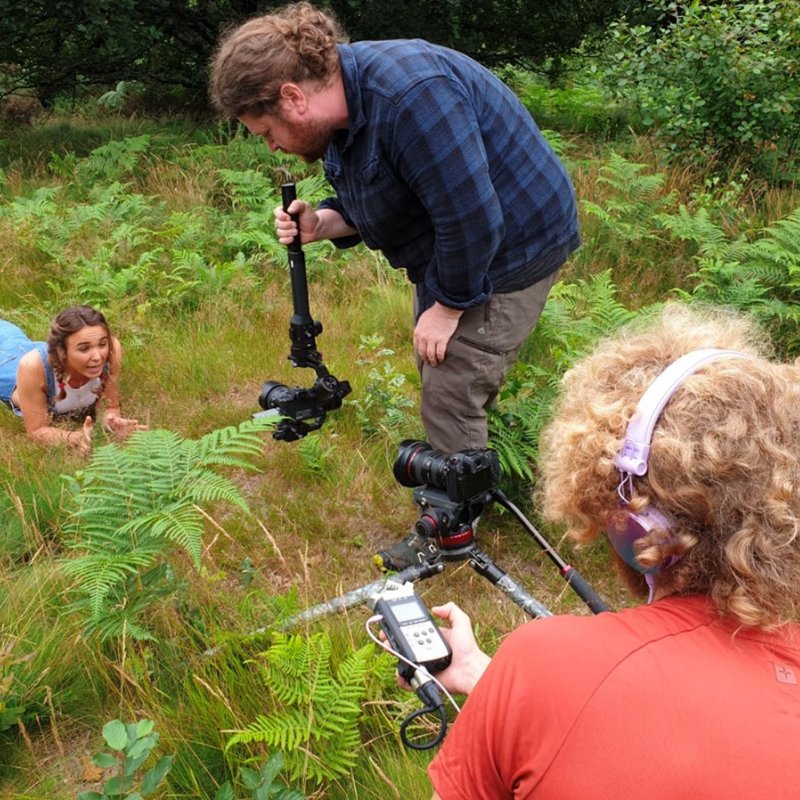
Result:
[195,360]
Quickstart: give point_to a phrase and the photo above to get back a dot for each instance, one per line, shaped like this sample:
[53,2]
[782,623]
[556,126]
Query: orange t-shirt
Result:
[661,702]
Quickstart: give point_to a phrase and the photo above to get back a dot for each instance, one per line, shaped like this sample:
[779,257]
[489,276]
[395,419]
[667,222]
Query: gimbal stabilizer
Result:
[301,410]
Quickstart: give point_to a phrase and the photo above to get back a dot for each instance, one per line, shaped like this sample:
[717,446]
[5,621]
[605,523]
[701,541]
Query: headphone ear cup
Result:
[624,527]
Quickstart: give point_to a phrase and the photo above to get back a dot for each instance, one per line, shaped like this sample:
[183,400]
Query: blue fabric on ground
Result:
[14,343]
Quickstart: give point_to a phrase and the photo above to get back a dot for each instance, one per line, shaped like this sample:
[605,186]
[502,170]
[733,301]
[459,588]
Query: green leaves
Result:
[132,743]
[317,707]
[133,505]
[262,784]
[715,80]
[575,317]
[115,735]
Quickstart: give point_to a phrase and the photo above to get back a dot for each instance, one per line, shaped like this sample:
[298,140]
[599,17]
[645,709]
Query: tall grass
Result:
[176,242]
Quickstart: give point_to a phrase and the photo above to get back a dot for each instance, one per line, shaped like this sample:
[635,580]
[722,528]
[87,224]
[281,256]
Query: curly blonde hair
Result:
[724,462]
[294,44]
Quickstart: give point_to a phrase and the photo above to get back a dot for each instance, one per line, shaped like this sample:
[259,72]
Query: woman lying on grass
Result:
[64,378]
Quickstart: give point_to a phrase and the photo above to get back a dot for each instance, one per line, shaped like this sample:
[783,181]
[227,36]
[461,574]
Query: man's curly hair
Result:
[724,462]
[294,44]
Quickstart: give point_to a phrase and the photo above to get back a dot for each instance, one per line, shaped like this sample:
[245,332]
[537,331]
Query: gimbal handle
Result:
[302,327]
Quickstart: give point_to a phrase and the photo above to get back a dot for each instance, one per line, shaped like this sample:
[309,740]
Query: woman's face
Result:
[87,351]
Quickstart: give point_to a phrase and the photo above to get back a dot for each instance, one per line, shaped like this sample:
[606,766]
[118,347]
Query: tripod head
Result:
[451,524]
[452,491]
[301,410]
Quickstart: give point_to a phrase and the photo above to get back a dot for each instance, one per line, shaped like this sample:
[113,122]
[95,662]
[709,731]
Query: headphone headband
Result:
[635,450]
[625,527]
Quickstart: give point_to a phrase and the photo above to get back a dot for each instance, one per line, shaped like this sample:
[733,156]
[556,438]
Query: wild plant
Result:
[382,405]
[262,783]
[315,707]
[761,276]
[131,745]
[114,99]
[36,208]
[135,505]
[248,190]
[11,706]
[629,213]
[63,166]
[316,456]
[722,198]
[712,81]
[576,315]
[580,106]
[117,160]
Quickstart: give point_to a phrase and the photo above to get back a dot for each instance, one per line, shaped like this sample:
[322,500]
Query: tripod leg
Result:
[360,595]
[485,567]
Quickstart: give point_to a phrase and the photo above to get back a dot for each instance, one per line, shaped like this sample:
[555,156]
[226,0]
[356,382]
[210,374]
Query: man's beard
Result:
[310,140]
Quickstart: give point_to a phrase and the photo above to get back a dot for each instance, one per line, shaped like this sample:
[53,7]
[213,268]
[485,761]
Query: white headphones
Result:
[624,526]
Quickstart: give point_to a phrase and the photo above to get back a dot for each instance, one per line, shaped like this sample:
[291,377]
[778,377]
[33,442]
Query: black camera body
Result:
[303,410]
[464,476]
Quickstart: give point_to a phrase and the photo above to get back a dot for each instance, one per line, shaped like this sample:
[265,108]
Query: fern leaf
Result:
[98,573]
[204,486]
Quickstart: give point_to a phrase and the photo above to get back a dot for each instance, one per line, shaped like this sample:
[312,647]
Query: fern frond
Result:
[246,438]
[204,486]
[317,728]
[134,504]
[98,573]
[700,229]
[293,656]
[287,731]
[179,522]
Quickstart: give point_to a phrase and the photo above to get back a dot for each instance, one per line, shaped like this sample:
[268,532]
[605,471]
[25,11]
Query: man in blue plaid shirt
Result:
[436,163]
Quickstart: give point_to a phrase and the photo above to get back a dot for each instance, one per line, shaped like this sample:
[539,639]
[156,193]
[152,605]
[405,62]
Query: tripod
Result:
[452,526]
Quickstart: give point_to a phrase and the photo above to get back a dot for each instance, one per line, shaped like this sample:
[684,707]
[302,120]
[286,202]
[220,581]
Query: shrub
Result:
[718,80]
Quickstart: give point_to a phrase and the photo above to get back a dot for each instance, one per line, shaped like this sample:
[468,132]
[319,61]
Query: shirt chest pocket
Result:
[374,193]
[370,173]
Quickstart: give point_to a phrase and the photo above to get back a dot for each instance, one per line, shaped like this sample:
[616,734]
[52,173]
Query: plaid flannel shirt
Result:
[444,170]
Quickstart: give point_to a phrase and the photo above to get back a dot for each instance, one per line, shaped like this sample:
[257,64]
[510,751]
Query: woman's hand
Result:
[81,440]
[120,427]
[469,661]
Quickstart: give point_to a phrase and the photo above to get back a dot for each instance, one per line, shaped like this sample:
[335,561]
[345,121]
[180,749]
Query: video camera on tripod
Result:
[451,490]
[301,410]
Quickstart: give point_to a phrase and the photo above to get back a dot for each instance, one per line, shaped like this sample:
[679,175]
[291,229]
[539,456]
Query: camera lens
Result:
[273,394]
[404,472]
[417,464]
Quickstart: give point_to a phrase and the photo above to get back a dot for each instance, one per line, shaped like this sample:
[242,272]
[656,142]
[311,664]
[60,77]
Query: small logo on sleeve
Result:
[785,674]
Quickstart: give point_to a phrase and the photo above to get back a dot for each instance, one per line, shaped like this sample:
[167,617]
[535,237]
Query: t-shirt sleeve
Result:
[478,755]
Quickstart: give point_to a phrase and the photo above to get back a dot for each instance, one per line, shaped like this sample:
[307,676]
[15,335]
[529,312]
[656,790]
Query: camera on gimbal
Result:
[463,476]
[303,410]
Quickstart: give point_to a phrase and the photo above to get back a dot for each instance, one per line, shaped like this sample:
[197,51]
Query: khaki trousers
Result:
[484,347]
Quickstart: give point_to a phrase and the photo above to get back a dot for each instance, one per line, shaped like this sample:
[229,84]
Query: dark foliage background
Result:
[57,48]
